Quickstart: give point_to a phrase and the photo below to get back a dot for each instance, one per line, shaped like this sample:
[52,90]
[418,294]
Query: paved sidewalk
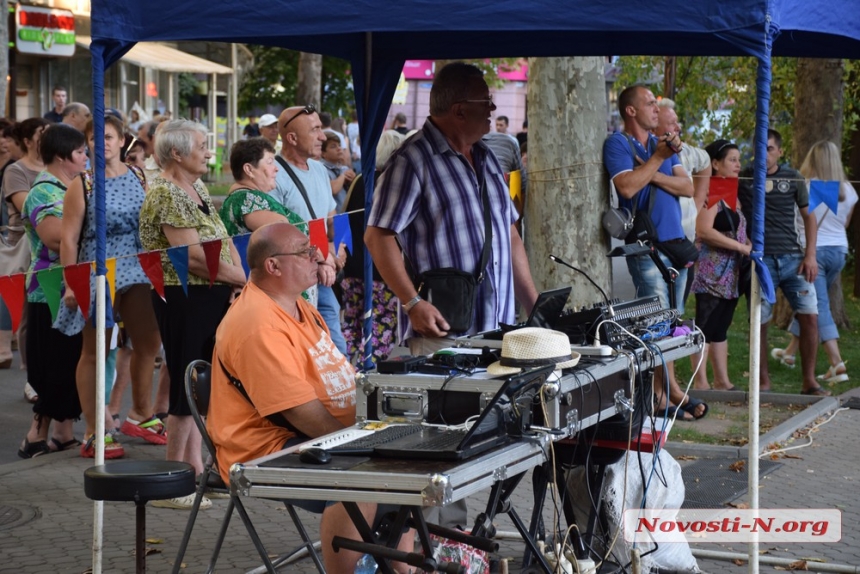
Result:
[46,524]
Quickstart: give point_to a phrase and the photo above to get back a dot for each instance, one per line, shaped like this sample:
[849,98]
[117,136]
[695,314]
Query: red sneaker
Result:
[112,448]
[151,430]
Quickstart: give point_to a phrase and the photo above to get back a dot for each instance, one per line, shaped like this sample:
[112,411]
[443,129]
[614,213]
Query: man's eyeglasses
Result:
[488,101]
[309,252]
[308,109]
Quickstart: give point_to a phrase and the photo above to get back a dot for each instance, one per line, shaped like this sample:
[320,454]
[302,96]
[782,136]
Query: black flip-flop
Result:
[670,413]
[61,446]
[816,392]
[690,407]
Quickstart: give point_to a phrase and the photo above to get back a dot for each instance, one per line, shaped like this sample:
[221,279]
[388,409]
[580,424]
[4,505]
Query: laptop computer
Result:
[545,313]
[502,421]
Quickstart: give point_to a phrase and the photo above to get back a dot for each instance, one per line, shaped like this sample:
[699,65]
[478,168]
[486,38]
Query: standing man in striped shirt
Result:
[430,198]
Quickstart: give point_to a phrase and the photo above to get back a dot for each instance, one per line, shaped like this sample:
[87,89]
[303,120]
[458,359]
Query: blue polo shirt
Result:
[666,213]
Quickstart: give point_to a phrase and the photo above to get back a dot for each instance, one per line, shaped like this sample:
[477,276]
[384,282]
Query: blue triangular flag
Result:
[241,243]
[342,232]
[826,192]
[179,257]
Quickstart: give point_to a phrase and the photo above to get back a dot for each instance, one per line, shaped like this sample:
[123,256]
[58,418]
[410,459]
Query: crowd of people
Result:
[704,235]
[441,202]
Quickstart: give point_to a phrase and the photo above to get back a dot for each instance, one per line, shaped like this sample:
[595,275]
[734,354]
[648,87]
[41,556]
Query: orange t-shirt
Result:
[282,363]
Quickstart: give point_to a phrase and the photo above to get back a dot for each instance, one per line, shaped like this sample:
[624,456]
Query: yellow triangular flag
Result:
[110,276]
[515,183]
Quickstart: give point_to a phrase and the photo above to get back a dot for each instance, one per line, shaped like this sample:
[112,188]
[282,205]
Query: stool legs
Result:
[140,537]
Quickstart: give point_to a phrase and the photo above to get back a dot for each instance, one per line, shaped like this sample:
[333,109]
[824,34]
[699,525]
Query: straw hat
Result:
[533,347]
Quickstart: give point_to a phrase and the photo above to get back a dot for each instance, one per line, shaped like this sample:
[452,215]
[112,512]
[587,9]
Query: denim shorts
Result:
[649,281]
[799,292]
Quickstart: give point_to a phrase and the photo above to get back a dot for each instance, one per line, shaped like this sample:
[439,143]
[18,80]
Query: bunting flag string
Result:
[150,262]
[110,277]
[515,184]
[77,277]
[826,192]
[725,189]
[342,233]
[51,281]
[319,236]
[179,258]
[12,289]
[212,251]
[241,243]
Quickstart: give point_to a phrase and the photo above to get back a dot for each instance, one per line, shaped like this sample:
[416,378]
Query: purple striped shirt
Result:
[430,196]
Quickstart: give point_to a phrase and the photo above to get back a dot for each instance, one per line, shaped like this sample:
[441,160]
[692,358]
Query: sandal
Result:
[782,357]
[33,449]
[112,448]
[692,404]
[61,446]
[835,374]
[674,412]
[30,394]
[151,430]
[815,392]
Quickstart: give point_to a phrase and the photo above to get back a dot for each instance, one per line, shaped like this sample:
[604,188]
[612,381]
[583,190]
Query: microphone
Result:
[560,261]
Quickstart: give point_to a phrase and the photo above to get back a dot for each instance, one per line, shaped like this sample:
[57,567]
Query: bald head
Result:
[301,134]
[269,239]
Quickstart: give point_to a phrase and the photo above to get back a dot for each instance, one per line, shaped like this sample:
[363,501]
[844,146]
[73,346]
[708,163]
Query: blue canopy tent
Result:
[377,36]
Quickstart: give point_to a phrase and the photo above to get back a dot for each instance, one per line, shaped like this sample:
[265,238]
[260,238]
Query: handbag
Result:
[14,258]
[452,291]
[682,253]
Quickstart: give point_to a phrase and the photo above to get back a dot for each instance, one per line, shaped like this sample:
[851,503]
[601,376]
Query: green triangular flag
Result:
[51,280]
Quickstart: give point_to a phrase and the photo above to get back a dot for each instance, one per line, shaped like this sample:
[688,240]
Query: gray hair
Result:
[389,141]
[175,135]
[666,103]
[73,108]
[451,86]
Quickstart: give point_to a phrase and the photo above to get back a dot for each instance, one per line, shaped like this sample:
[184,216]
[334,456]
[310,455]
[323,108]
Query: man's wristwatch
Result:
[411,303]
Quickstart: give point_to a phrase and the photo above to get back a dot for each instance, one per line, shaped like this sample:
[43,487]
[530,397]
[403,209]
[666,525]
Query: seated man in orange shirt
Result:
[279,347]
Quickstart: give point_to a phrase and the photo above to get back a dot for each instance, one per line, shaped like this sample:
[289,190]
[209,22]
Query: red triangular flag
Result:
[212,250]
[13,291]
[318,236]
[723,188]
[150,262]
[78,280]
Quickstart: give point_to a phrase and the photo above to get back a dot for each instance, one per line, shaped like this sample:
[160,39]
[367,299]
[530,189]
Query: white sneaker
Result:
[181,503]
[217,495]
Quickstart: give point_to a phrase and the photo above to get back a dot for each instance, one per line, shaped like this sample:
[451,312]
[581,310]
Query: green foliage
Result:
[272,82]
[187,90]
[704,85]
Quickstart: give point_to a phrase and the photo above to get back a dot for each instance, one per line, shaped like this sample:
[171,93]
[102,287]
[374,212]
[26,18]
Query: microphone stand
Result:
[610,310]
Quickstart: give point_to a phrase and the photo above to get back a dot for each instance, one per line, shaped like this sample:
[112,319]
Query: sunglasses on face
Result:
[308,109]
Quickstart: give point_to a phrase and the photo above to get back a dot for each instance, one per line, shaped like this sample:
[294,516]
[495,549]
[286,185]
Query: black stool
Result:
[139,482]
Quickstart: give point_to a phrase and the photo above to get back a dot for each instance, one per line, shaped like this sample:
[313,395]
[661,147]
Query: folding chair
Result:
[197,390]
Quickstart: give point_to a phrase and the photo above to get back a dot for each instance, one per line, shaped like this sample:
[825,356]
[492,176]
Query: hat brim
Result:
[497,369]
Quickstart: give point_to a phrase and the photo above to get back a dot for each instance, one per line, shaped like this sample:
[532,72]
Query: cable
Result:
[808,434]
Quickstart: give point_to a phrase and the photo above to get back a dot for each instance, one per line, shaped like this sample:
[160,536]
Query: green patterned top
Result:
[243,201]
[45,199]
[168,204]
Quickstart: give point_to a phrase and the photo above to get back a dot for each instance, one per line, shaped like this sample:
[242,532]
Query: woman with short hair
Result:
[53,355]
[178,211]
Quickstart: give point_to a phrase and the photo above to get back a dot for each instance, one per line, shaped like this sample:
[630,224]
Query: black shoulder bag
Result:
[451,290]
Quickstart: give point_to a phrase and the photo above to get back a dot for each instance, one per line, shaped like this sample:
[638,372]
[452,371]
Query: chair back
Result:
[198,388]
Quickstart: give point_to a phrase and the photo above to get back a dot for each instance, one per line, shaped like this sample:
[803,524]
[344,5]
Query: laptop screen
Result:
[509,412]
[548,308]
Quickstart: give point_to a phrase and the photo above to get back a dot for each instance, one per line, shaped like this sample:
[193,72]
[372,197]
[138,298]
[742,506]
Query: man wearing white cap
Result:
[269,129]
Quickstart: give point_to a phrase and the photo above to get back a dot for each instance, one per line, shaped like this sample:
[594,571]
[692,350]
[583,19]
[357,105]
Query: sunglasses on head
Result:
[308,109]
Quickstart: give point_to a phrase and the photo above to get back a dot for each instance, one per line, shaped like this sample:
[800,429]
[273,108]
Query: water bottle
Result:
[366,565]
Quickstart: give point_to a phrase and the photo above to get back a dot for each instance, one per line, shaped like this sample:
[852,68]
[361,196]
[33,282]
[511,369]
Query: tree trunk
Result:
[4,60]
[817,116]
[567,189]
[309,82]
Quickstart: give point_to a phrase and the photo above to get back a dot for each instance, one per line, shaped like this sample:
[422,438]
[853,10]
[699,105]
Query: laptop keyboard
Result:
[444,441]
[378,438]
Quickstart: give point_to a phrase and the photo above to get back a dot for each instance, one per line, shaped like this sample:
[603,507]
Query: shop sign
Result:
[44,31]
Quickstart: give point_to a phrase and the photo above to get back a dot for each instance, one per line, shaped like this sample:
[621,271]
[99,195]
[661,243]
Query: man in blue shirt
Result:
[641,164]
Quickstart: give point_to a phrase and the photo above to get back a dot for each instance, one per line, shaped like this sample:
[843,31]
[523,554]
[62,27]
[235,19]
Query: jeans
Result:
[329,308]
[649,281]
[799,292]
[831,261]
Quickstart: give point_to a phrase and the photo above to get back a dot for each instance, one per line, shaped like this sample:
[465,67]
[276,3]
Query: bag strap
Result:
[488,239]
[298,183]
[651,193]
[87,187]
[277,419]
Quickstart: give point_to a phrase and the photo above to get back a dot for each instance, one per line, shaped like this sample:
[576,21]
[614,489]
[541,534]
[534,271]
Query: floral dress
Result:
[718,270]
[241,202]
[124,196]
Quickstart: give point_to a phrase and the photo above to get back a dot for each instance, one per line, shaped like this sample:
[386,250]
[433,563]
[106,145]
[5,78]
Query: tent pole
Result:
[368,193]
[754,396]
[233,115]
